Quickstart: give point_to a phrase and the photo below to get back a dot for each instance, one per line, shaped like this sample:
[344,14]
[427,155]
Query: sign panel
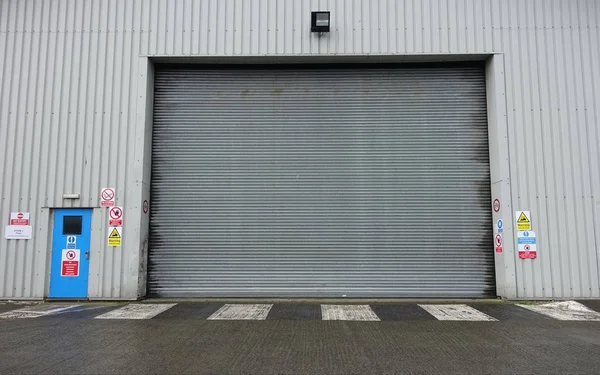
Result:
[499,226]
[526,244]
[114,236]
[18,232]
[523,220]
[498,242]
[107,197]
[496,205]
[19,218]
[70,262]
[115,216]
[71,242]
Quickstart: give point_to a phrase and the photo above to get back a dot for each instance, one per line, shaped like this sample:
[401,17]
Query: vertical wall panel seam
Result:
[579,191]
[558,162]
[574,152]
[35,161]
[533,182]
[597,171]
[568,155]
[122,177]
[18,143]
[59,129]
[115,129]
[548,293]
[596,114]
[566,289]
[79,182]
[4,204]
[102,173]
[89,110]
[581,113]
[25,180]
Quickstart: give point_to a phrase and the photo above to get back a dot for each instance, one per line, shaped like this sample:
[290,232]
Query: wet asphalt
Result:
[295,341]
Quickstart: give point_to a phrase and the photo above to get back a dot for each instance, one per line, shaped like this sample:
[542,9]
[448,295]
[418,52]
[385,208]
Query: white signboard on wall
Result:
[18,232]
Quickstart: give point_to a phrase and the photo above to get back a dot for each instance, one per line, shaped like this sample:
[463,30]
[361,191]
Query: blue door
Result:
[70,253]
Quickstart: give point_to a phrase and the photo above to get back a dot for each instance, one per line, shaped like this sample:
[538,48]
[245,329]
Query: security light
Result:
[320,22]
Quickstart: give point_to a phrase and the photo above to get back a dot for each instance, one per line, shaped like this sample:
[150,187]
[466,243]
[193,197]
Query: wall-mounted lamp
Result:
[70,196]
[320,22]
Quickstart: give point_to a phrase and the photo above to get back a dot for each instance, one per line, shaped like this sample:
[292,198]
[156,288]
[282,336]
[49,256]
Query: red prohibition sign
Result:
[108,194]
[70,255]
[116,213]
[527,248]
[496,205]
[20,215]
[498,240]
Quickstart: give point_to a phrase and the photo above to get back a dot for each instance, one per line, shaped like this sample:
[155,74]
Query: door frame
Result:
[52,223]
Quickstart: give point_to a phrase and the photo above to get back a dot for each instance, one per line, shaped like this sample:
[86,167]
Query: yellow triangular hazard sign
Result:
[114,234]
[523,218]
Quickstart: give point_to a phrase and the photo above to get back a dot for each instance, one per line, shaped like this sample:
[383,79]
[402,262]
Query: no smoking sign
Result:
[115,216]
[107,197]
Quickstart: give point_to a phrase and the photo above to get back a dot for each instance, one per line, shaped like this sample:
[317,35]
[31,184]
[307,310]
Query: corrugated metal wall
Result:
[69,109]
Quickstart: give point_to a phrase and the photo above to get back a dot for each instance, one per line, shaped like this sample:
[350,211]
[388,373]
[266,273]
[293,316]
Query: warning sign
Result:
[523,220]
[115,216]
[114,236]
[70,262]
[107,197]
[526,243]
[496,205]
[19,218]
[498,241]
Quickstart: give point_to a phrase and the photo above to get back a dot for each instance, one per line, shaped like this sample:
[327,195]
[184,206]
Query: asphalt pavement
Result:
[289,338]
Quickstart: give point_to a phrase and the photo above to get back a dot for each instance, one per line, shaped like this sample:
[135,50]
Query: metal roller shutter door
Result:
[345,182]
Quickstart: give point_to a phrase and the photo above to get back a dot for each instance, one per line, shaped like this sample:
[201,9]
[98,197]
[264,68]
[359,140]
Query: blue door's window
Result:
[72,225]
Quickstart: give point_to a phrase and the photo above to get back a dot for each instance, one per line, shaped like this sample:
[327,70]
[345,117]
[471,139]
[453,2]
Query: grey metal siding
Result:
[321,182]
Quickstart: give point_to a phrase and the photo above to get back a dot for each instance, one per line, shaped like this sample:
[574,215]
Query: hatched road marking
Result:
[35,311]
[564,310]
[457,313]
[362,313]
[137,311]
[242,312]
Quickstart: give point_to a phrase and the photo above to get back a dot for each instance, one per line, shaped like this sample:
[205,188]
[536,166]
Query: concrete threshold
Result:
[343,301]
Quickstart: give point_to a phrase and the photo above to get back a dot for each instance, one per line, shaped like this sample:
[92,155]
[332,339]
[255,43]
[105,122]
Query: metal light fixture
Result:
[320,22]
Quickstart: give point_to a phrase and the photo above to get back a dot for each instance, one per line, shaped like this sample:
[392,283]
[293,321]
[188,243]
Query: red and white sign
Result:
[496,205]
[145,206]
[498,241]
[19,218]
[527,244]
[107,197]
[70,263]
[115,216]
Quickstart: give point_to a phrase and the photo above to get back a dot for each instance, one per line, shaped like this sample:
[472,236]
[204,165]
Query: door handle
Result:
[87,255]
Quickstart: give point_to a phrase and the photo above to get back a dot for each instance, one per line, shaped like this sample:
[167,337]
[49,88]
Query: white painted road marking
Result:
[242,312]
[36,311]
[137,311]
[457,313]
[564,310]
[349,312]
